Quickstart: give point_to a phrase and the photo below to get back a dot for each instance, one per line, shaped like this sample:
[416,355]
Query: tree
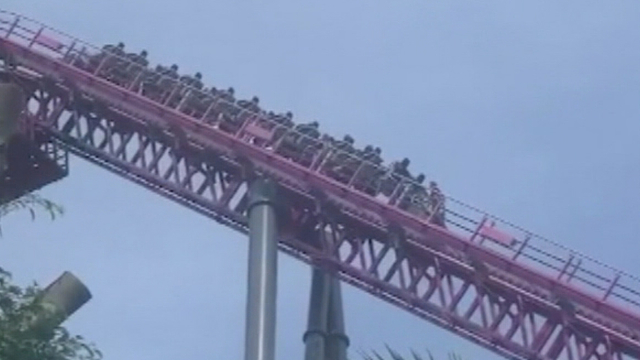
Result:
[22,338]
[27,330]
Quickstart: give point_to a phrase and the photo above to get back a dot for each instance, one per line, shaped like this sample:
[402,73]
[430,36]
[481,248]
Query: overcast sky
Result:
[527,109]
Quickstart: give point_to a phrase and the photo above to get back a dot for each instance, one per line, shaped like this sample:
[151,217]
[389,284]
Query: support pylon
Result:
[262,276]
[337,339]
[325,338]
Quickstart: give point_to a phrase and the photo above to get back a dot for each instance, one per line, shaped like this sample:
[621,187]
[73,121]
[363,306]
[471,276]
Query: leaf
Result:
[393,355]
[65,335]
[30,202]
[416,356]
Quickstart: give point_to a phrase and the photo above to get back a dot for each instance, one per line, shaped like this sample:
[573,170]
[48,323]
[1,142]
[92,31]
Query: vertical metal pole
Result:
[262,276]
[337,340]
[314,337]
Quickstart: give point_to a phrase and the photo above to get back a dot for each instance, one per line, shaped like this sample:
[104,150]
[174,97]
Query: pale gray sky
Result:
[528,109]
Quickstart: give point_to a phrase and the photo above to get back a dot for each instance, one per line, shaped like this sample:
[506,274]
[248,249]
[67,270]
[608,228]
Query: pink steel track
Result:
[499,286]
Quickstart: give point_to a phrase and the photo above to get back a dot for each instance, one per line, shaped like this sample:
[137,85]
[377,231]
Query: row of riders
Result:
[303,143]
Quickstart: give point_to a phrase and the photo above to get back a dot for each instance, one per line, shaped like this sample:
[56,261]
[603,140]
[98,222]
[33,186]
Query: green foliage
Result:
[30,202]
[21,340]
[25,332]
[393,355]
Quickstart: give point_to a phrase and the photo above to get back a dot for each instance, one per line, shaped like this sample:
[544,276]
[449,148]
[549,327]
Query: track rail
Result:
[498,296]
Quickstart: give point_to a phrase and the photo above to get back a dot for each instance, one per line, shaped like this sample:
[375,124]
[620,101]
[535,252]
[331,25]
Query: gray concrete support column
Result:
[314,337]
[337,339]
[262,275]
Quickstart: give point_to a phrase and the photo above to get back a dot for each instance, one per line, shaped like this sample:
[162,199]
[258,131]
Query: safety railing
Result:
[556,261]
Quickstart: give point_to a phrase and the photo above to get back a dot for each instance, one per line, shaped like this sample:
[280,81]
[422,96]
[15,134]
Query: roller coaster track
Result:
[488,281]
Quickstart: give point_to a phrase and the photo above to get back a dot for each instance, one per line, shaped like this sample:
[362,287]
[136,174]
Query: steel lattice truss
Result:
[489,295]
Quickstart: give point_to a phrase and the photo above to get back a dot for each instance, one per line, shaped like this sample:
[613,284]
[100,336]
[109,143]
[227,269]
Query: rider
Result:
[193,81]
[110,57]
[137,64]
[117,50]
[372,155]
[401,168]
[250,105]
[171,72]
[436,204]
[138,59]
[415,197]
[248,108]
